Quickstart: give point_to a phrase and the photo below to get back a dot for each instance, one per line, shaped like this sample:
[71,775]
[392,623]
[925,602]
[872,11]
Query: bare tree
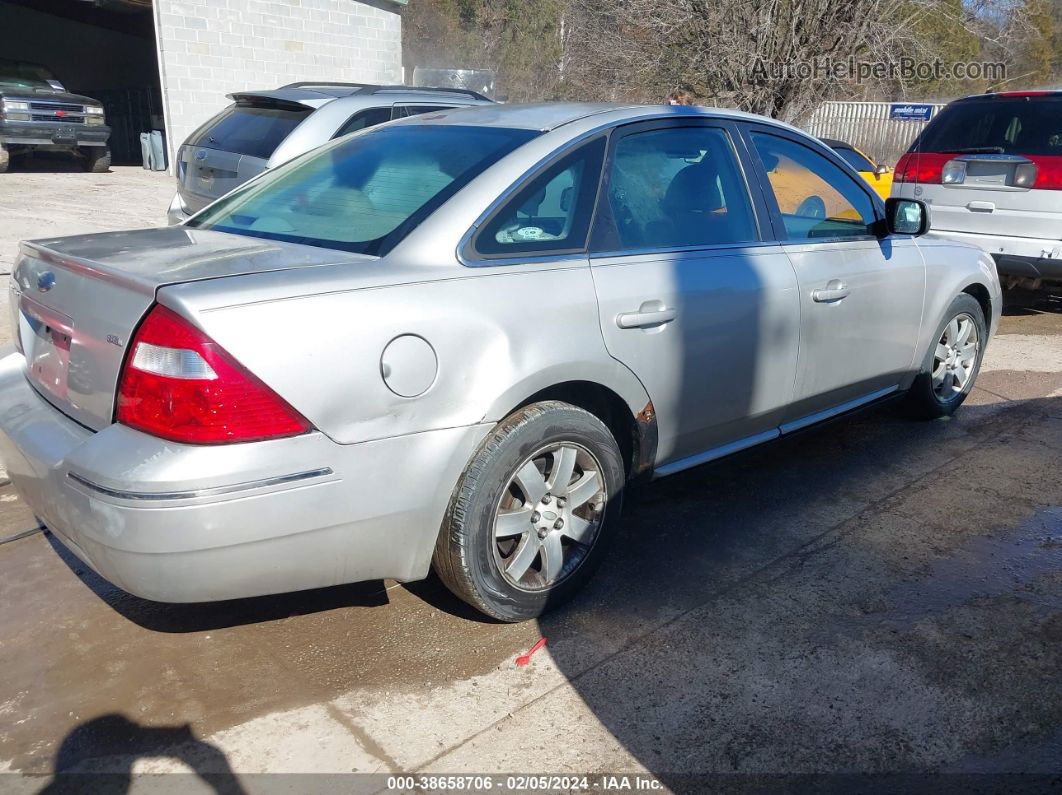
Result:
[780,58]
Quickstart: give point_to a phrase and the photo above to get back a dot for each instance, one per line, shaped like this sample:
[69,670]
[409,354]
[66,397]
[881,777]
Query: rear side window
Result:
[253,130]
[1013,126]
[551,214]
[816,198]
[677,187]
[404,111]
[364,118]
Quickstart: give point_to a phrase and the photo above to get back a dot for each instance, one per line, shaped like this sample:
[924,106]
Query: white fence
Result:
[867,126]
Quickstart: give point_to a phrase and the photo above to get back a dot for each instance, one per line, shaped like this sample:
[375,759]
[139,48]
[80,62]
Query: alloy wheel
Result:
[955,357]
[549,516]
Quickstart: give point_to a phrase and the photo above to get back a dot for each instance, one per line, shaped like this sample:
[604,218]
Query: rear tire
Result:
[533,512]
[97,159]
[952,363]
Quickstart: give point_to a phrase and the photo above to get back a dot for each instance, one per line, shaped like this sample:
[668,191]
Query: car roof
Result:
[547,116]
[314,95]
[346,89]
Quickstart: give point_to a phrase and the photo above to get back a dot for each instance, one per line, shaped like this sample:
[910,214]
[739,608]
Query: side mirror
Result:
[906,217]
[881,169]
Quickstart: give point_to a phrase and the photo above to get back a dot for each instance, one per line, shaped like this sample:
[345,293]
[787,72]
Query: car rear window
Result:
[1013,126]
[254,130]
[363,193]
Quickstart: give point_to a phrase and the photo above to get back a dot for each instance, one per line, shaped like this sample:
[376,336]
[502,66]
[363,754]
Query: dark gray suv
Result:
[262,129]
[37,112]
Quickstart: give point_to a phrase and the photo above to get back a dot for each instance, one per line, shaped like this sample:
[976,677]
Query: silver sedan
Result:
[455,340]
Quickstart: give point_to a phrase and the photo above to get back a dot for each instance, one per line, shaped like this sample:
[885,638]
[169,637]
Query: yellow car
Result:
[879,176]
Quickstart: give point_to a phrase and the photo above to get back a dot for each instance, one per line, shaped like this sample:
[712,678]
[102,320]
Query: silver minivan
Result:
[262,129]
[991,168]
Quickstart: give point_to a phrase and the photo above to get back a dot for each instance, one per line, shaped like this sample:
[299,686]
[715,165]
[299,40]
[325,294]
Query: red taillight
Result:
[1026,93]
[1048,172]
[921,167]
[181,385]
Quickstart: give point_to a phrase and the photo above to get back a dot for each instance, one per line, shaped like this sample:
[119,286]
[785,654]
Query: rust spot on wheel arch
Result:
[645,448]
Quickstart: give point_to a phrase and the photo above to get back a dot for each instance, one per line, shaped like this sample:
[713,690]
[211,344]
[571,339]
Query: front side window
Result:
[676,187]
[364,193]
[815,197]
[363,119]
[552,213]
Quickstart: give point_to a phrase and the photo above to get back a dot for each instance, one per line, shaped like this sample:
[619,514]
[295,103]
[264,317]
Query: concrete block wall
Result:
[210,48]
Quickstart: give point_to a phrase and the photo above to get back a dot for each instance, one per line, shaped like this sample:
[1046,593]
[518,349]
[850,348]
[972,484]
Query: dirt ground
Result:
[873,596]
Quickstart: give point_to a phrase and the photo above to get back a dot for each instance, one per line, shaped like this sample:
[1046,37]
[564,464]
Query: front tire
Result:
[952,363]
[97,159]
[533,512]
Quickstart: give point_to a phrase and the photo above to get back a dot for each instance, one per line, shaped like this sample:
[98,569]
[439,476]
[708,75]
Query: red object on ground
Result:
[524,659]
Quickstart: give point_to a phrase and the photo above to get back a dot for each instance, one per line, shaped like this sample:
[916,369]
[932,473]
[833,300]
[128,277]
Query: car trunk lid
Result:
[993,194]
[76,301]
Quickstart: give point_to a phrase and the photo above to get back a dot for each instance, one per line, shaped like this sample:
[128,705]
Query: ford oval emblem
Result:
[200,155]
[45,281]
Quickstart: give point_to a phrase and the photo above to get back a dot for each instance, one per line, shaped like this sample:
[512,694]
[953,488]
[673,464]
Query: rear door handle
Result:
[831,294]
[644,319]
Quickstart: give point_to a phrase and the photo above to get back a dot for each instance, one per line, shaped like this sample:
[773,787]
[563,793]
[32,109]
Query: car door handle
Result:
[643,319]
[832,293]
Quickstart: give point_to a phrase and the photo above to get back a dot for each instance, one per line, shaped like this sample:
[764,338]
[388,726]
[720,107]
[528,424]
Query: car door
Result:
[860,294]
[691,296]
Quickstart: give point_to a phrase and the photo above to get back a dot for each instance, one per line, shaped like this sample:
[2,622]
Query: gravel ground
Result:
[52,197]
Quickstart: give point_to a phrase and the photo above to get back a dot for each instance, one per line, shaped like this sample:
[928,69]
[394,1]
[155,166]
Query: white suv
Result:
[990,166]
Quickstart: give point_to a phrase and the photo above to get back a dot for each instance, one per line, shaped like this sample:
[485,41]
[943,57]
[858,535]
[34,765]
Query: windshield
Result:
[854,159]
[363,193]
[1015,126]
[18,74]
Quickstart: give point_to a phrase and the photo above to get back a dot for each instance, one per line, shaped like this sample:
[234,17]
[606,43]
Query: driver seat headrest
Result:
[695,189]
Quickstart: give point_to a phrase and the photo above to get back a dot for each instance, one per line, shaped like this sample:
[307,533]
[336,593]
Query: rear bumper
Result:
[29,134]
[1016,256]
[186,523]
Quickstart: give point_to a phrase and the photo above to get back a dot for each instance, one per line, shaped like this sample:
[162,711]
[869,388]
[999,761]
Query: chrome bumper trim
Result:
[211,492]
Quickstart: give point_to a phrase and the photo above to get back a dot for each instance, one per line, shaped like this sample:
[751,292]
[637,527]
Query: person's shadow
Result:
[117,738]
